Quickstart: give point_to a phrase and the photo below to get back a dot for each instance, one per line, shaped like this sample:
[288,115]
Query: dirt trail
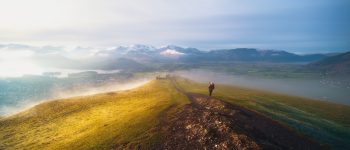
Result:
[210,123]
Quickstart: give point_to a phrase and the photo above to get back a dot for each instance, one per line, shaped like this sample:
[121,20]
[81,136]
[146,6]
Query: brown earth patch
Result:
[210,123]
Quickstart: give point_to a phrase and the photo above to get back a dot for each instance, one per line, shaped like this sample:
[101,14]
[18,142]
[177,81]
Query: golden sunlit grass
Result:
[119,120]
[324,121]
[129,119]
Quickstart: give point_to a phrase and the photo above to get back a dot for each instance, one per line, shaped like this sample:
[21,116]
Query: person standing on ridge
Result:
[211,88]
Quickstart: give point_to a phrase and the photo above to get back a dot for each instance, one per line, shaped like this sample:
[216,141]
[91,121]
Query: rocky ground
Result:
[210,123]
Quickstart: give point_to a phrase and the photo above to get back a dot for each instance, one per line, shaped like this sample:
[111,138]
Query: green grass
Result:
[323,121]
[122,120]
[125,120]
[267,70]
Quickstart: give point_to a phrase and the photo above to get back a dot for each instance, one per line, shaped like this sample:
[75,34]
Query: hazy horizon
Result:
[18,59]
[138,74]
[296,26]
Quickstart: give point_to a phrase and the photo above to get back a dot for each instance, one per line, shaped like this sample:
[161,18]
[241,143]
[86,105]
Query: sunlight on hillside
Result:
[119,120]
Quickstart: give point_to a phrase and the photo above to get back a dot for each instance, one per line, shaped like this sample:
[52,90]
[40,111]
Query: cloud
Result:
[33,49]
[171,53]
[294,25]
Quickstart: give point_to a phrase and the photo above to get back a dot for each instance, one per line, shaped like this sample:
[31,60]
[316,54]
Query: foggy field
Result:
[17,94]
[316,88]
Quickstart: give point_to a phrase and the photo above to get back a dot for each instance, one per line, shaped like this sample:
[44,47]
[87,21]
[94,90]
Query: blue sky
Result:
[302,26]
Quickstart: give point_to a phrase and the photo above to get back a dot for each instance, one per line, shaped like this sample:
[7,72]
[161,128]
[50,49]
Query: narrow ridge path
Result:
[210,123]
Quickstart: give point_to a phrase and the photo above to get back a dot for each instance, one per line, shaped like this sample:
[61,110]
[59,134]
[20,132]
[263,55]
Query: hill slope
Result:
[334,65]
[158,115]
[209,123]
[104,121]
[325,122]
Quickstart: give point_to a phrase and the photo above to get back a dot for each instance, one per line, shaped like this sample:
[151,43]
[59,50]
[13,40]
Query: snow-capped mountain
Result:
[142,53]
[171,53]
[145,52]
[180,49]
[136,48]
[122,57]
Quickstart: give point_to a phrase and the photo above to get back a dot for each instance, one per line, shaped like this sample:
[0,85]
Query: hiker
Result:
[211,88]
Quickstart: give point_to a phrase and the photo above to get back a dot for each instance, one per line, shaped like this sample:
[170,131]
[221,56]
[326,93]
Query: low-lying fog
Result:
[61,92]
[110,87]
[312,88]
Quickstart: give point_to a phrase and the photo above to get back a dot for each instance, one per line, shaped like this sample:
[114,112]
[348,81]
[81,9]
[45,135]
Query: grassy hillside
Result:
[326,122]
[338,65]
[130,119]
[118,120]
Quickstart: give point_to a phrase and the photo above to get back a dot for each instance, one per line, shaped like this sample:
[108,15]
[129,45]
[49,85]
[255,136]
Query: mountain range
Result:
[145,57]
[141,58]
[171,53]
[142,53]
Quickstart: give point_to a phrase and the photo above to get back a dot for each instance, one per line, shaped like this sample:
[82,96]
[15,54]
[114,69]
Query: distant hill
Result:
[255,55]
[334,65]
[143,57]
[115,63]
[171,52]
[147,58]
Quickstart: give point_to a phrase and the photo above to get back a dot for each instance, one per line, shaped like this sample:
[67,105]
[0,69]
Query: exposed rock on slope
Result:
[209,123]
